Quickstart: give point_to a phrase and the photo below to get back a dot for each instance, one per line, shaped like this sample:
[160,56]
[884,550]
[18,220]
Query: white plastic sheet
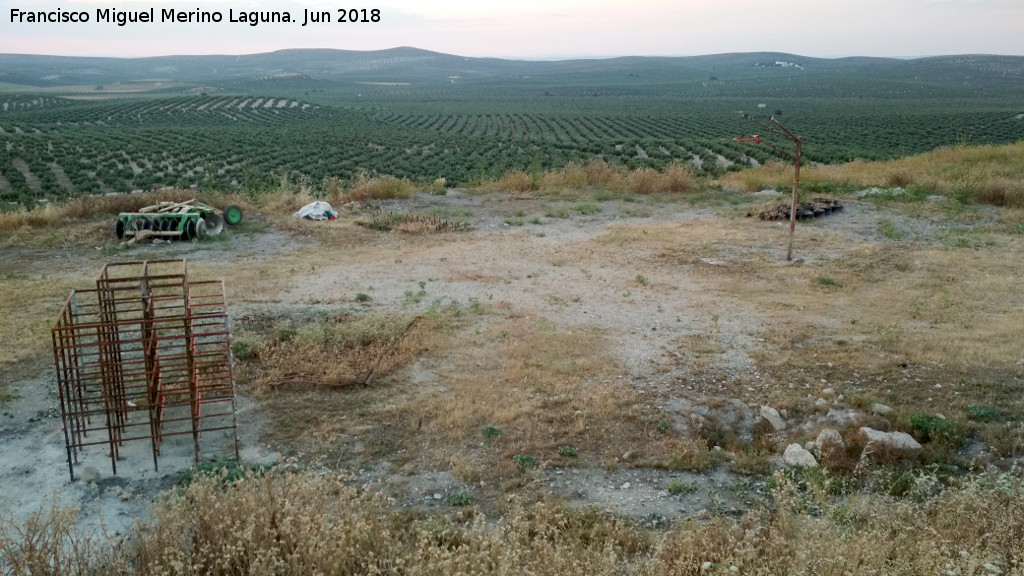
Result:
[317,211]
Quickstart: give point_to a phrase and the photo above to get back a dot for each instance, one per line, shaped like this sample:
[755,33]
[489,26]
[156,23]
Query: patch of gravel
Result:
[34,462]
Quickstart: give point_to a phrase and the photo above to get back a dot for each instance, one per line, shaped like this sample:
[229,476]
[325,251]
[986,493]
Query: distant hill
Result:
[942,76]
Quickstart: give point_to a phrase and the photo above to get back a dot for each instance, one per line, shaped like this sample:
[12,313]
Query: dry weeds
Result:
[989,174]
[278,523]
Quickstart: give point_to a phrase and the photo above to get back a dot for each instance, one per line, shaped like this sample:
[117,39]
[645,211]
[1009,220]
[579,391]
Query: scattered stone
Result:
[821,403]
[629,455]
[437,496]
[625,486]
[895,440]
[830,437]
[843,417]
[795,455]
[736,416]
[810,446]
[773,417]
[828,392]
[880,409]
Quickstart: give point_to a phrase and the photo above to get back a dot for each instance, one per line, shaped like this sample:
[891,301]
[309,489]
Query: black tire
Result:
[119,229]
[232,214]
[190,229]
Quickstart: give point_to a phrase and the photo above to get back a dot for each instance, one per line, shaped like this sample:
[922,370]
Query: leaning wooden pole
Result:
[781,130]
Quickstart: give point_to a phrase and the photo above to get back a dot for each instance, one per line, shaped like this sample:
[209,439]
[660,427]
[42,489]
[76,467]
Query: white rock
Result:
[895,440]
[821,403]
[880,409]
[795,455]
[625,486]
[830,436]
[773,417]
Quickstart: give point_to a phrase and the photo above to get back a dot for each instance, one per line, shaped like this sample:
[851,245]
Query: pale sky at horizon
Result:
[540,29]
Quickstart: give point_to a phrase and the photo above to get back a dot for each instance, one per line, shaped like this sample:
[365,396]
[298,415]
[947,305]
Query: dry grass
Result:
[597,175]
[300,523]
[990,174]
[337,353]
[29,304]
[516,182]
[543,386]
[368,187]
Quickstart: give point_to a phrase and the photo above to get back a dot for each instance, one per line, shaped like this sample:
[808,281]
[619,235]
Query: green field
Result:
[84,126]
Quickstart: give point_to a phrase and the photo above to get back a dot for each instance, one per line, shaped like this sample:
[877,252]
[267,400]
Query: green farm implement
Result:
[190,220]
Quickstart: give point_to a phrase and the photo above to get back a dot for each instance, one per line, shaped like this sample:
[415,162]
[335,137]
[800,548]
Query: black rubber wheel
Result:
[190,229]
[119,229]
[232,214]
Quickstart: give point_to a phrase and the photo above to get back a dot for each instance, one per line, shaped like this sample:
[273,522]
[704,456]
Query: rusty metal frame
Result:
[143,356]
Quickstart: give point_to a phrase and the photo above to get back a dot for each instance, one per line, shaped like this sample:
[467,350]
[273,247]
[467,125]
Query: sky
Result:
[531,29]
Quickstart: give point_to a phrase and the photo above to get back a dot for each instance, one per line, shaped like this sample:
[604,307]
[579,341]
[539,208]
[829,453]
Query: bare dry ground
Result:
[613,353]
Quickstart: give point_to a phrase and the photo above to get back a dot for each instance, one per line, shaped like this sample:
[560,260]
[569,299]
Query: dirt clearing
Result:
[612,353]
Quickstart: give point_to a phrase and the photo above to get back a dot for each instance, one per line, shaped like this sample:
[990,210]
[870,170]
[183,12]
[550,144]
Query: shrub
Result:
[899,178]
[461,498]
[380,188]
[677,487]
[929,427]
[517,182]
[524,461]
[678,178]
[644,181]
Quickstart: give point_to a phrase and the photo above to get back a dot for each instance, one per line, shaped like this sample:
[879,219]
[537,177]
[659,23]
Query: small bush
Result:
[678,178]
[929,427]
[380,188]
[899,178]
[677,487]
[461,498]
[524,461]
[985,414]
[491,432]
[644,181]
[517,182]
[243,349]
[568,452]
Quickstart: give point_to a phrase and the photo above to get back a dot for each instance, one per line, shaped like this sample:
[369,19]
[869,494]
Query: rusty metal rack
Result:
[144,356]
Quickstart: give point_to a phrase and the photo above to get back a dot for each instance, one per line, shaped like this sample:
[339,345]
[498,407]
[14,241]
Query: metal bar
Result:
[145,342]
